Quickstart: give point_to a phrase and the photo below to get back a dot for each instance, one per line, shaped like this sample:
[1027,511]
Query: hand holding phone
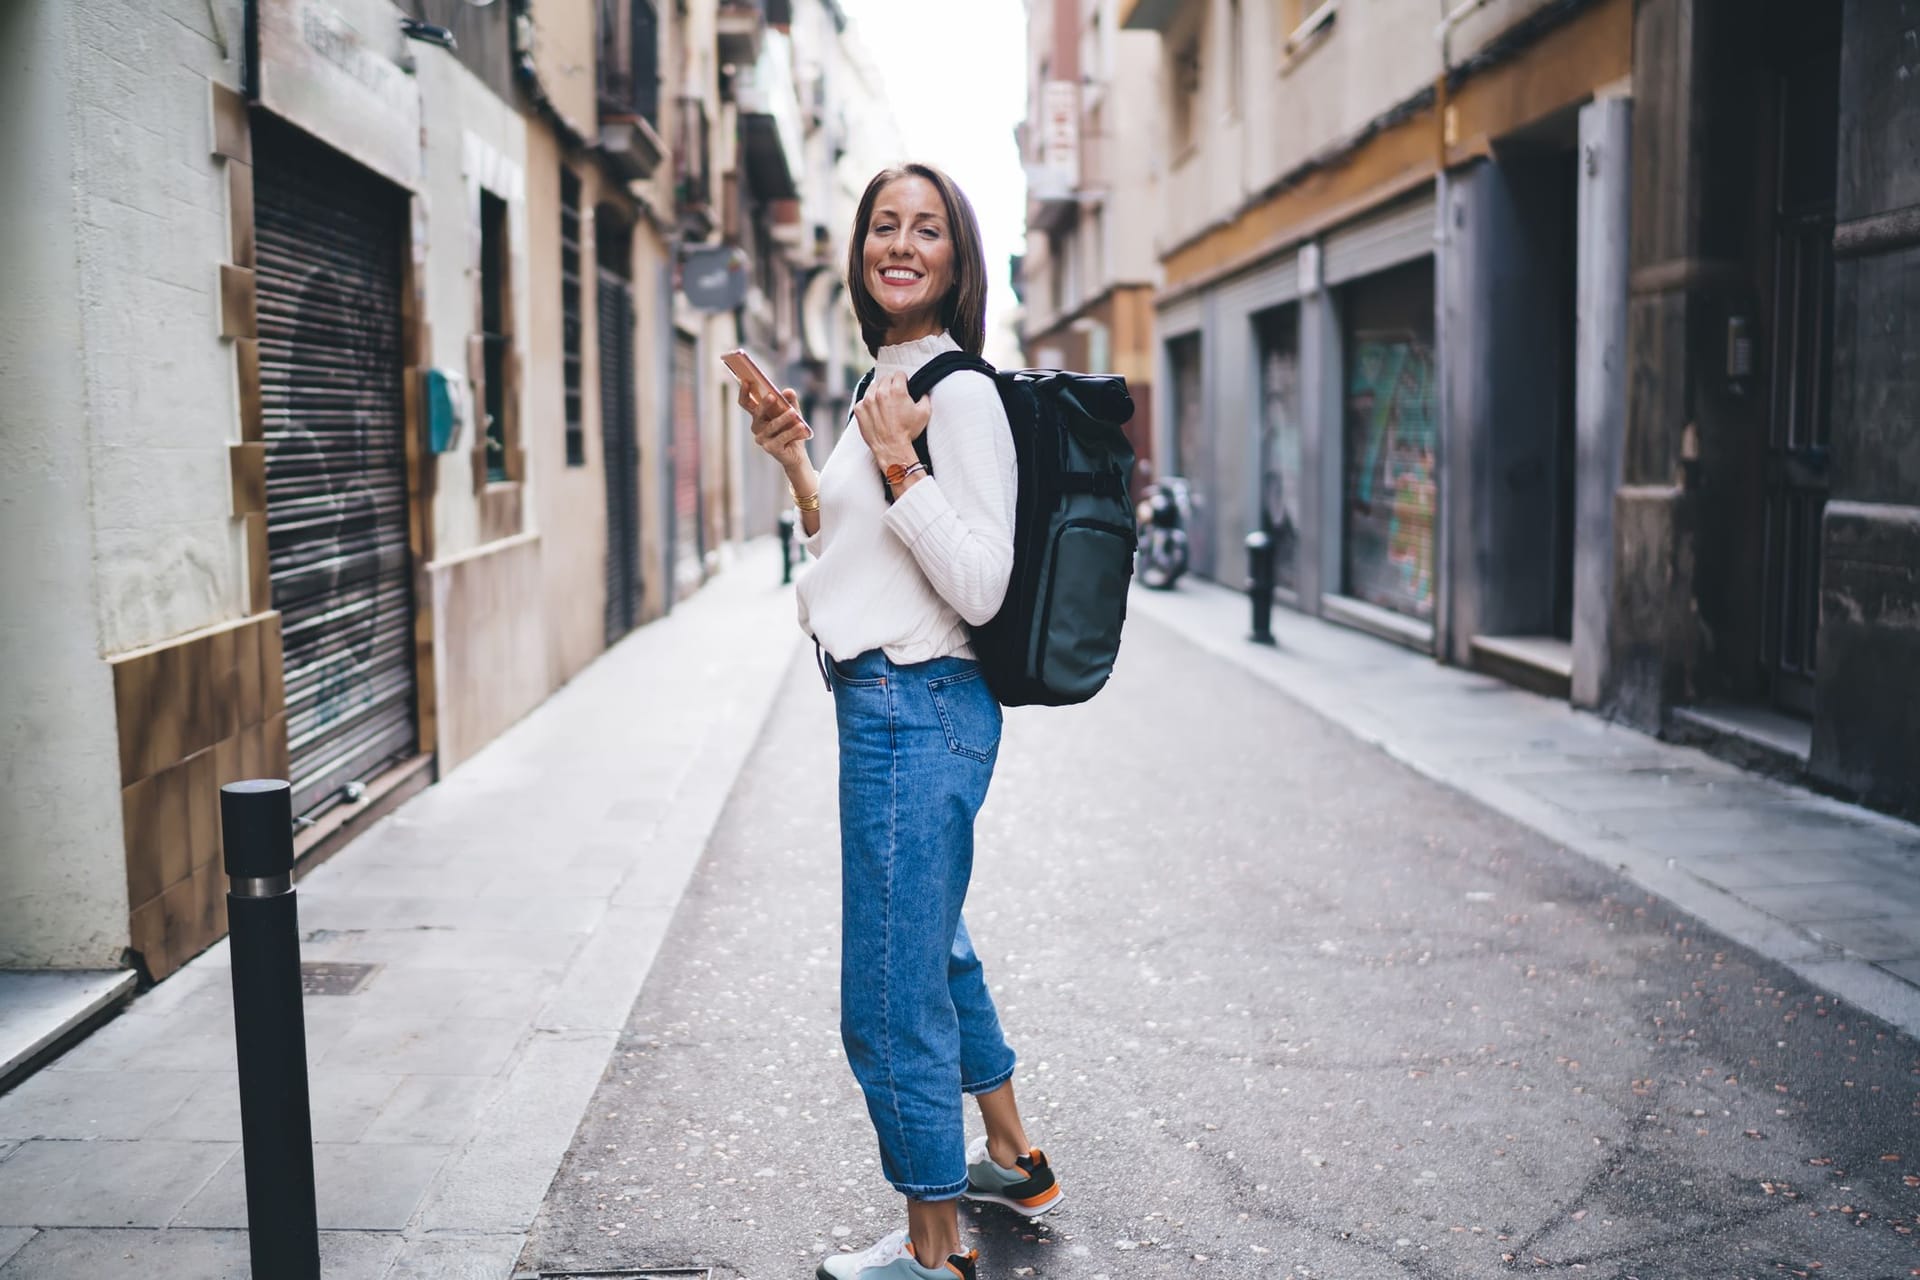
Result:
[777,425]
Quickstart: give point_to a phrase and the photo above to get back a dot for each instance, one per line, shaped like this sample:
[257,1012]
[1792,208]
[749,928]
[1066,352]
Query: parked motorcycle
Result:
[1163,516]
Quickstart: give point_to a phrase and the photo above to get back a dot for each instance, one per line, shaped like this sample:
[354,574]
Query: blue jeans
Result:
[917,746]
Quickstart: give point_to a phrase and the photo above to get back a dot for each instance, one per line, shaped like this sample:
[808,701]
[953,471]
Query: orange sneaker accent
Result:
[1044,1197]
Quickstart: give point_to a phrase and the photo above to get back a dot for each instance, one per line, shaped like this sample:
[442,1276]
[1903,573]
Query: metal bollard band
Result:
[260,886]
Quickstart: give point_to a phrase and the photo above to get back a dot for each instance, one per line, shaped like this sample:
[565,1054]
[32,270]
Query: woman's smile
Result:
[908,257]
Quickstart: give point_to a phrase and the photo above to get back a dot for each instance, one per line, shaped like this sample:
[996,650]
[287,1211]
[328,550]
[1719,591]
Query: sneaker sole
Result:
[1046,1206]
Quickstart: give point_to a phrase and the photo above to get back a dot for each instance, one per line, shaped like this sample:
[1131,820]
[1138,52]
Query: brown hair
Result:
[964,310]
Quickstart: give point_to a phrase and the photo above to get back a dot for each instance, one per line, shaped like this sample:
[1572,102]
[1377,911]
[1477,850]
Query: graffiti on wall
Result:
[1392,492]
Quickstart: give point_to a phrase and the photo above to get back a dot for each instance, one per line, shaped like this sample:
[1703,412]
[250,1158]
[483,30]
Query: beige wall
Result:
[495,671]
[565,49]
[570,503]
[1294,103]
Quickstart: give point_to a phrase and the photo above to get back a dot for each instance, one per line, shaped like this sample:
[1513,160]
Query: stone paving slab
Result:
[1827,888]
[511,913]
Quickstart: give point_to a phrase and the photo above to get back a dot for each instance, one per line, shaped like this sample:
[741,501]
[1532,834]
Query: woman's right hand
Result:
[778,428]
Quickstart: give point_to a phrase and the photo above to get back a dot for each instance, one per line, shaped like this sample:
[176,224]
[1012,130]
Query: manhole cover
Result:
[330,978]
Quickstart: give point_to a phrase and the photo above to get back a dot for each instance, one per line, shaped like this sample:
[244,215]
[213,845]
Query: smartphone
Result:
[750,376]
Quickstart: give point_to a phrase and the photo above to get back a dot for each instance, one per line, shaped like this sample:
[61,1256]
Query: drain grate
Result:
[330,978]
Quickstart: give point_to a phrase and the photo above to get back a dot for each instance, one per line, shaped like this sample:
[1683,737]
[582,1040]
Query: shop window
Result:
[1186,94]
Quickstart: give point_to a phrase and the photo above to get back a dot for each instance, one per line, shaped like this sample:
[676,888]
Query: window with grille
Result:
[493,327]
[570,286]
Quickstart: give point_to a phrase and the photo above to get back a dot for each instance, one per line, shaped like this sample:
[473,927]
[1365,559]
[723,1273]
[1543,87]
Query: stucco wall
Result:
[474,140]
[564,53]
[571,502]
[120,405]
[150,227]
[62,893]
[1376,54]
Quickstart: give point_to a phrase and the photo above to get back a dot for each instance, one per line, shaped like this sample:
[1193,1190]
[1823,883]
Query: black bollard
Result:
[786,548]
[1260,584]
[270,1030]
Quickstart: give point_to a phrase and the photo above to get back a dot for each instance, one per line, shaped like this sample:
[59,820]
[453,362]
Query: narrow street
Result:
[1284,1008]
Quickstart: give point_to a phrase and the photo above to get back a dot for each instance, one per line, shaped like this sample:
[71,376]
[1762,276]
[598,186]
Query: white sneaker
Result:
[892,1259]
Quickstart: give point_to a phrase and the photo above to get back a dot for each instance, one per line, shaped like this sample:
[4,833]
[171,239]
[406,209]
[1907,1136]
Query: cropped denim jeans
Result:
[917,746]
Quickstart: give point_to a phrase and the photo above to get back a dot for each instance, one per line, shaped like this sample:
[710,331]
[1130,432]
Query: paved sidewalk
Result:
[511,912]
[1828,889]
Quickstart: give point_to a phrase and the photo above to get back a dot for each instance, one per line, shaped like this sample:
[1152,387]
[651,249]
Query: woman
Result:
[904,567]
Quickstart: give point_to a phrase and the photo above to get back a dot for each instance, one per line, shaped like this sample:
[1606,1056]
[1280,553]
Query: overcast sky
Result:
[956,73]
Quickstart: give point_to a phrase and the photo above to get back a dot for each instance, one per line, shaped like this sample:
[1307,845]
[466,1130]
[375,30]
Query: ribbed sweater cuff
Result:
[917,510]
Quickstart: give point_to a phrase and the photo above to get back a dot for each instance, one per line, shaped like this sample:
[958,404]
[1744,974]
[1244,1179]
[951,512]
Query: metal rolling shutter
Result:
[1392,442]
[1381,240]
[330,240]
[619,454]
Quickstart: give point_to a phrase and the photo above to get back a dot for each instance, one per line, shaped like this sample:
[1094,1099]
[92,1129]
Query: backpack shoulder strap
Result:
[934,371]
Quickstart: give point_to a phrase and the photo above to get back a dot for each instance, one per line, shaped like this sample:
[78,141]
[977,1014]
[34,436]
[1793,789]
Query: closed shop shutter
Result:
[1391,440]
[689,554]
[619,454]
[330,239]
[1381,241]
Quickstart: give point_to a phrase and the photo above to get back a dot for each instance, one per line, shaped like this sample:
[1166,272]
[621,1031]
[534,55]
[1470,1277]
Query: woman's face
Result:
[908,257]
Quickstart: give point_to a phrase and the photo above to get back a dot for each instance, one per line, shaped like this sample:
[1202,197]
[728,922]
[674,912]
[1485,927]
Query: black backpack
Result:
[1054,641]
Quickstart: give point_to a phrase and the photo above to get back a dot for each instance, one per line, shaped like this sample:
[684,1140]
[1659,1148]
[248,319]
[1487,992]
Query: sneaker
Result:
[1029,1189]
[892,1259]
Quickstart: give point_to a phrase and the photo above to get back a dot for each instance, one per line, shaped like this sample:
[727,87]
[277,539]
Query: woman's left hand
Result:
[891,420]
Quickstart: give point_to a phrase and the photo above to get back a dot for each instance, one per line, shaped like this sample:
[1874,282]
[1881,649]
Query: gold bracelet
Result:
[809,503]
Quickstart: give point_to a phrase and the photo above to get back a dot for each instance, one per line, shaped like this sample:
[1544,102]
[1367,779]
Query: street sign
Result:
[715,277]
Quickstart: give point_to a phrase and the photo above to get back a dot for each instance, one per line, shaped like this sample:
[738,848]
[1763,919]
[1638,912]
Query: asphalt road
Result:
[1284,1008]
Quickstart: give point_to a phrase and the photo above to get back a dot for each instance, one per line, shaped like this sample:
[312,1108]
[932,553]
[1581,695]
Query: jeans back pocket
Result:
[969,713]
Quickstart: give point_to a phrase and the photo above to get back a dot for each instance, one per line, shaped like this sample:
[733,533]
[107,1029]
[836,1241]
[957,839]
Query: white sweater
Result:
[907,578]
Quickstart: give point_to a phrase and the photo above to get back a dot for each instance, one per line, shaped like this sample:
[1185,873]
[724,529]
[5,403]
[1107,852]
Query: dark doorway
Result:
[1277,339]
[619,437]
[1189,453]
[1806,127]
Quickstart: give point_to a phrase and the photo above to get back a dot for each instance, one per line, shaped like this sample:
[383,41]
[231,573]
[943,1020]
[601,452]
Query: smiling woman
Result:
[903,570]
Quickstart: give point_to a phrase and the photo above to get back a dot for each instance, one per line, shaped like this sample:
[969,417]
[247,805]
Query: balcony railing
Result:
[740,25]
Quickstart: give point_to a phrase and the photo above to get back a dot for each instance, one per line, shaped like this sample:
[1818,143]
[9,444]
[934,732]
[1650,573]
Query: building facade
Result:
[1562,339]
[336,337]
[1770,517]
[1341,191]
[1087,275]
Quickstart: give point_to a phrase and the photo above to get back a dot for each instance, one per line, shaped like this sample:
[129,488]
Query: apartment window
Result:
[1094,63]
[493,327]
[629,66]
[1185,93]
[570,298]
[1236,60]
